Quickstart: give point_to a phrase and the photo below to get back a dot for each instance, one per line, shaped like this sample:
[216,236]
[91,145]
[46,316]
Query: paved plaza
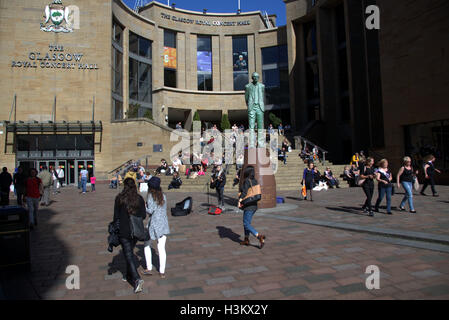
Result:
[314,250]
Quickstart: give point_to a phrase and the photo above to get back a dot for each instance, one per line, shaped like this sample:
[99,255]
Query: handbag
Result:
[360,181]
[416,183]
[254,194]
[137,228]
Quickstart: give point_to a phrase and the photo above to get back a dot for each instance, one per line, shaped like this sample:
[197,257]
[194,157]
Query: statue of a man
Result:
[254,97]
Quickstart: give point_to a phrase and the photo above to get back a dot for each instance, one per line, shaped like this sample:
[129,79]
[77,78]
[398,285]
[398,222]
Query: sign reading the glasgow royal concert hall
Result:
[206,22]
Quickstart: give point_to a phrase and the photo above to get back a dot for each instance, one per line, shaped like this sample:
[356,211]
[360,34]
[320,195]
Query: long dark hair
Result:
[129,198]
[249,173]
[157,195]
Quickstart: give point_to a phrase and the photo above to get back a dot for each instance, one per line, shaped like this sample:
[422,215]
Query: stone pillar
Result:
[251,57]
[158,56]
[227,80]
[181,55]
[192,77]
[216,63]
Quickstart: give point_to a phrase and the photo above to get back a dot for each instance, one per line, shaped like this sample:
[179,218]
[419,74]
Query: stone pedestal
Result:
[259,158]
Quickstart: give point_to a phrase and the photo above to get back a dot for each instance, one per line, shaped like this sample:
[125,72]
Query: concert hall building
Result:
[94,84]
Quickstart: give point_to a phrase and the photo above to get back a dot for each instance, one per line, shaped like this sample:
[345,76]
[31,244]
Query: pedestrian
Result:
[60,176]
[55,180]
[47,181]
[405,178]
[129,202]
[367,174]
[34,190]
[93,179]
[20,180]
[249,209]
[84,175]
[429,172]
[157,226]
[385,187]
[5,186]
[218,180]
[308,178]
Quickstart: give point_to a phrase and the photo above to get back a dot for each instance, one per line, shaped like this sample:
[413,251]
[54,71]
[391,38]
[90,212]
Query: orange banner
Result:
[170,57]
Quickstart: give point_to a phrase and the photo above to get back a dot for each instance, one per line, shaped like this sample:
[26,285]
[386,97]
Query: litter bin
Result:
[14,238]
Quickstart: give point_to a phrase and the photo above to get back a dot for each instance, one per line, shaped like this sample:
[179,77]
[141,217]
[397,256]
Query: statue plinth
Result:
[259,158]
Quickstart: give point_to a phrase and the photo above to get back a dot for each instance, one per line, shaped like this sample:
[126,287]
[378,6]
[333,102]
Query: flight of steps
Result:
[288,177]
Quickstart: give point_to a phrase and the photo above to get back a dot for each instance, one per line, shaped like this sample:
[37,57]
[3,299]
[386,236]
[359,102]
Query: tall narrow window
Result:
[312,71]
[204,63]
[117,71]
[345,113]
[170,63]
[240,60]
[275,75]
[140,73]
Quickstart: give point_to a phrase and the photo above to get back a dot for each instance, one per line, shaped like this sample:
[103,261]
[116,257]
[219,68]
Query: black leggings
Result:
[430,181]
[220,196]
[128,251]
[368,188]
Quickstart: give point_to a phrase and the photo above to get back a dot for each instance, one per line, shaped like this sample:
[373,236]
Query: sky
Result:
[222,6]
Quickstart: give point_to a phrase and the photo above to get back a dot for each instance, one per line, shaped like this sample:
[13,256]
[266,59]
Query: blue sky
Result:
[271,6]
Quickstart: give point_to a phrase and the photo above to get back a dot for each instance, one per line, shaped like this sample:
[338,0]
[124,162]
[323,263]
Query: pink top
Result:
[92,180]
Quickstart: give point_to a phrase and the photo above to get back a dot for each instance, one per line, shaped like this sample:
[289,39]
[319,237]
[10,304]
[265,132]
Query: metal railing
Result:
[301,144]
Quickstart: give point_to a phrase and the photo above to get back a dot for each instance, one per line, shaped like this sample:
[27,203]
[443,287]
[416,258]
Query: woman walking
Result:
[406,178]
[249,209]
[384,177]
[157,225]
[127,203]
[308,178]
[429,172]
[367,173]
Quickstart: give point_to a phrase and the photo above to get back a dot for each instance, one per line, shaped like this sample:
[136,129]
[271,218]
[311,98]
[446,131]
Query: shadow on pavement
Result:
[224,232]
[49,259]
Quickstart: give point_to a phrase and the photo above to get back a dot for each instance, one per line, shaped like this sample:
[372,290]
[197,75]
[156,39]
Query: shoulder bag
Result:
[138,230]
[361,181]
[254,194]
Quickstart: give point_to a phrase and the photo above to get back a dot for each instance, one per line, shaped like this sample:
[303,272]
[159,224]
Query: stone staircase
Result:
[288,176]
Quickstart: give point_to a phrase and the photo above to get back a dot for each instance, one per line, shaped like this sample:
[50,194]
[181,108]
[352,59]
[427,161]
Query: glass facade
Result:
[204,63]
[140,76]
[345,113]
[240,61]
[312,71]
[275,75]
[117,71]
[170,62]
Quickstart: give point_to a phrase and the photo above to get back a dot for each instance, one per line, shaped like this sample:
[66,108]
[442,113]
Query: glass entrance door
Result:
[62,165]
[71,172]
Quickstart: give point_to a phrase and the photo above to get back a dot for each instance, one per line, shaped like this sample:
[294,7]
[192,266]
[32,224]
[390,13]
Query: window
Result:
[117,107]
[240,61]
[204,63]
[345,114]
[312,71]
[275,75]
[117,71]
[139,45]
[170,63]
[117,33]
[140,76]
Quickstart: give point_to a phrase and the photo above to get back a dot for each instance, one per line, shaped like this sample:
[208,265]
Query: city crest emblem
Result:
[57,18]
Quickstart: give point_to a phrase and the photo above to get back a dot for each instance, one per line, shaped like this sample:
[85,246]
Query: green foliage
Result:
[225,124]
[133,111]
[148,114]
[196,116]
[275,121]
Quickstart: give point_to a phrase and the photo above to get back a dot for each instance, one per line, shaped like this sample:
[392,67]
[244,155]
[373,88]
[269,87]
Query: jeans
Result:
[408,187]
[5,197]
[33,206]
[83,184]
[128,251]
[220,196]
[93,186]
[247,218]
[382,192]
[368,188]
[160,250]
[46,196]
[20,193]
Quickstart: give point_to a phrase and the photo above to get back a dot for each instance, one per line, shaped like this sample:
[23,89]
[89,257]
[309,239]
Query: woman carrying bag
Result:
[248,197]
[129,212]
[157,225]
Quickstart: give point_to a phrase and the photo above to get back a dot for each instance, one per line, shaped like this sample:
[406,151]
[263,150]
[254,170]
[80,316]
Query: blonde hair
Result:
[406,159]
[382,162]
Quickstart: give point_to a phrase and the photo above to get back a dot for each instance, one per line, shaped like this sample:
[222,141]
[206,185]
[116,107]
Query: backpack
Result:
[182,208]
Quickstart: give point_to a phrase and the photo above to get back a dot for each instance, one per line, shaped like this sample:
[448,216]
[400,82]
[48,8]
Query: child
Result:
[92,183]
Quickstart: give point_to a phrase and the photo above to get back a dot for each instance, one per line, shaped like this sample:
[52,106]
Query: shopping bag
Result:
[303,190]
